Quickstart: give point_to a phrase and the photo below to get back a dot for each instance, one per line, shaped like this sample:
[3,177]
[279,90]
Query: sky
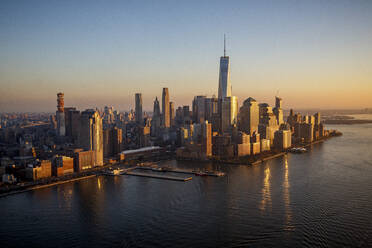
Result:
[314,54]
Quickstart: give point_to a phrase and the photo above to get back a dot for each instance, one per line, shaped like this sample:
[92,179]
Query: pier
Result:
[158,176]
[174,170]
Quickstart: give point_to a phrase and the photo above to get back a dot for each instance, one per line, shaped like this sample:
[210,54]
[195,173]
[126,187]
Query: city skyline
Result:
[316,55]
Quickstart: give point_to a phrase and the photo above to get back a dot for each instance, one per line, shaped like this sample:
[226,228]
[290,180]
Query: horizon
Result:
[101,54]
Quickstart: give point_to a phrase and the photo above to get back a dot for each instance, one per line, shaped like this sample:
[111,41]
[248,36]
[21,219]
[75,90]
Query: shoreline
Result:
[260,158]
[41,186]
[347,122]
[94,172]
[99,171]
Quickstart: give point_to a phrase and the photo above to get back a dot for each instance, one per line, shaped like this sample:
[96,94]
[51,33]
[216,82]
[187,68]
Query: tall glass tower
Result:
[165,108]
[224,87]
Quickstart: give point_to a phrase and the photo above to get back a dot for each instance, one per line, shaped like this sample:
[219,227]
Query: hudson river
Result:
[322,198]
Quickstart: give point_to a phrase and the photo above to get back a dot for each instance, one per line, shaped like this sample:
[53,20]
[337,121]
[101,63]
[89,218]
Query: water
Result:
[318,199]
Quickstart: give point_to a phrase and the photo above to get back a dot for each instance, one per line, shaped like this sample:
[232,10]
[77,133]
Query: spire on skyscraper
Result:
[224,45]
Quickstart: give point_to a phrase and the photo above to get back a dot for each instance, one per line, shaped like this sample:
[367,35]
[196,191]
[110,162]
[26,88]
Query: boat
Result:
[216,173]
[200,173]
[115,172]
[298,150]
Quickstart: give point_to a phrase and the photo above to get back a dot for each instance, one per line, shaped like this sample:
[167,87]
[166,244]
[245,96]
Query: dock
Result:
[158,176]
[174,170]
[160,173]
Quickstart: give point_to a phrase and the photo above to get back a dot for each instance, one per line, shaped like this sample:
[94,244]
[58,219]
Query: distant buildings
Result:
[306,129]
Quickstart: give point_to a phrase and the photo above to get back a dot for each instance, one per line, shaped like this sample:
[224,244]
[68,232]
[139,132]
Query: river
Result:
[322,198]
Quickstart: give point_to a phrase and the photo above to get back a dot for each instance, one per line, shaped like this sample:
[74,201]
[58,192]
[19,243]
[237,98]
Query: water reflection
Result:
[286,197]
[99,185]
[117,180]
[266,194]
[65,194]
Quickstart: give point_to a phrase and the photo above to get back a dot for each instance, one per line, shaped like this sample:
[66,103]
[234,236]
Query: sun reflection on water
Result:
[266,194]
[99,183]
[286,197]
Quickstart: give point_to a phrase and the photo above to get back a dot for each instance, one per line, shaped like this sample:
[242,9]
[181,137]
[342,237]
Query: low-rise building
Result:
[243,149]
[62,165]
[83,160]
[265,145]
[255,148]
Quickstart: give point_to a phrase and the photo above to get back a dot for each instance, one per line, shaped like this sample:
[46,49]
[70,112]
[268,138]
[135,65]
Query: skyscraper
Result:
[112,141]
[139,114]
[249,116]
[165,108]
[211,108]
[278,111]
[224,86]
[229,113]
[212,114]
[156,119]
[60,115]
[91,134]
[171,113]
[72,118]
[206,138]
[198,109]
